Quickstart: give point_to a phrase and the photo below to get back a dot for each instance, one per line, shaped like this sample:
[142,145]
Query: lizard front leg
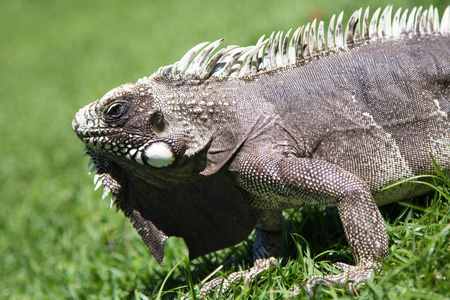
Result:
[366,235]
[291,182]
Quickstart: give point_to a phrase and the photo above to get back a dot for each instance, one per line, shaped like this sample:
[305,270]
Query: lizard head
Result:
[126,123]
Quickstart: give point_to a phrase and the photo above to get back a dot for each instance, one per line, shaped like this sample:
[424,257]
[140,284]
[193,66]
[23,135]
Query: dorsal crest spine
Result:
[280,50]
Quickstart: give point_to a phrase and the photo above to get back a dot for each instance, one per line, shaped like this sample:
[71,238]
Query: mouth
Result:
[101,138]
[157,154]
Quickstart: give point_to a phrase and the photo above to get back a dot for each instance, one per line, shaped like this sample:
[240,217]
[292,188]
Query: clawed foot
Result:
[221,283]
[351,276]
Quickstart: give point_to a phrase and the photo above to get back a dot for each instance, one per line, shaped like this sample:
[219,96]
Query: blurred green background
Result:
[57,238]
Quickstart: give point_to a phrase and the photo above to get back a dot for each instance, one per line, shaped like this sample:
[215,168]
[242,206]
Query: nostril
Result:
[74,124]
[79,120]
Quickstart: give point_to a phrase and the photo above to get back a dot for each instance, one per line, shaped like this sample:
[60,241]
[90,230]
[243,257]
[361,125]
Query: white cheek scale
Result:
[159,155]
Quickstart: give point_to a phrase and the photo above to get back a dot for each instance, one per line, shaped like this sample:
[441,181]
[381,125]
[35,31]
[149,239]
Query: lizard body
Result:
[215,145]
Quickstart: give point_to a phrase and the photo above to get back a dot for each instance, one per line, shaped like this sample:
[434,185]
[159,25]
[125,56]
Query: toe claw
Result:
[341,266]
[249,276]
[352,277]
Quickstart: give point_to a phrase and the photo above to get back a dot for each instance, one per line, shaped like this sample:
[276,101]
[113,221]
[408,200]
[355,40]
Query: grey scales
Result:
[217,144]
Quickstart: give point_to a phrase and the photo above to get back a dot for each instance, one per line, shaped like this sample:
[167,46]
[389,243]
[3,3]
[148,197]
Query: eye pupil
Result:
[115,111]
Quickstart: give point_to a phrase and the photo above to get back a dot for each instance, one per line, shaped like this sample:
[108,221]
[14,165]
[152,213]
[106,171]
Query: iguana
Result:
[219,143]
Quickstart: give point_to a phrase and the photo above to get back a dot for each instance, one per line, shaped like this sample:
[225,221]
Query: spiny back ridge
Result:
[281,50]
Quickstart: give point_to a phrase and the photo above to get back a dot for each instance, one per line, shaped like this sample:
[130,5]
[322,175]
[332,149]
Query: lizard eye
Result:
[115,111]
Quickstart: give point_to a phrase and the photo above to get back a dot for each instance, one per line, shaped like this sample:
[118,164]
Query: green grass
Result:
[58,240]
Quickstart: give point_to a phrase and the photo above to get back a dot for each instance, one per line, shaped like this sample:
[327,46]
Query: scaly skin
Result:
[212,147]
